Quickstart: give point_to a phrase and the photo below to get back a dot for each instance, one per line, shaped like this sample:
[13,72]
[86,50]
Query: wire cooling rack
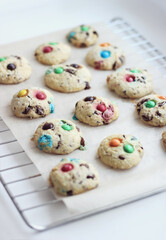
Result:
[25,186]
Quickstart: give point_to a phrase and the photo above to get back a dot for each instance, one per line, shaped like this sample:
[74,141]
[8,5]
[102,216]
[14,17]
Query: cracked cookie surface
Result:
[68,78]
[73,176]
[130,83]
[32,103]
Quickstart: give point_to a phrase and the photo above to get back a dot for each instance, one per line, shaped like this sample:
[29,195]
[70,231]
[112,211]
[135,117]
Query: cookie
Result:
[96,111]
[32,103]
[52,53]
[59,137]
[164,138]
[105,56]
[82,36]
[68,78]
[72,176]
[14,69]
[130,83]
[152,110]
[120,151]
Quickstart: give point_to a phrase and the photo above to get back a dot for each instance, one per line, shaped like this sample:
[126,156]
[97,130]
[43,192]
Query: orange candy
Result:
[105,44]
[162,97]
[115,142]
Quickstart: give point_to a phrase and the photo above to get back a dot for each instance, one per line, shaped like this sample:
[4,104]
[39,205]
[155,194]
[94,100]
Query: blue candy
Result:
[51,108]
[105,54]
[71,35]
[74,117]
[44,141]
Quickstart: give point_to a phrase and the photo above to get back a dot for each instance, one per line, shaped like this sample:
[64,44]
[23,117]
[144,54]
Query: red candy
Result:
[47,49]
[41,95]
[130,78]
[101,107]
[67,167]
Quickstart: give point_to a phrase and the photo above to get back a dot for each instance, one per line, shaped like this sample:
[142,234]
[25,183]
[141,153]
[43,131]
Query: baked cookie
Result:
[82,36]
[32,103]
[72,176]
[105,56]
[52,53]
[120,151]
[130,83]
[164,138]
[68,78]
[59,137]
[14,69]
[152,110]
[96,111]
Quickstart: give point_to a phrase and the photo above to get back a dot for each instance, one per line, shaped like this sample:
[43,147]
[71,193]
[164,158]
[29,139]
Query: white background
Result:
[145,219]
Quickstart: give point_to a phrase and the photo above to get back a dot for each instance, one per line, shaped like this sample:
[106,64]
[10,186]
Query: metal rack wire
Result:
[22,181]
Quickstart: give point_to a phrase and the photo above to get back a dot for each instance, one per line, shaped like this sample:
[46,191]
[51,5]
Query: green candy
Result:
[53,43]
[128,148]
[67,127]
[48,71]
[135,71]
[2,59]
[84,28]
[150,104]
[58,70]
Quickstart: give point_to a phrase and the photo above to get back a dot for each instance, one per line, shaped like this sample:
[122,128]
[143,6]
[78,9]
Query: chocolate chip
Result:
[161,104]
[47,126]
[84,165]
[35,54]
[121,59]
[11,66]
[142,101]
[87,86]
[121,157]
[39,110]
[92,177]
[94,32]
[59,142]
[77,129]
[74,65]
[82,45]
[27,110]
[147,118]
[124,92]
[158,113]
[17,57]
[76,104]
[89,98]
[124,136]
[87,33]
[71,71]
[142,148]
[69,193]
[82,142]
[95,112]
[114,67]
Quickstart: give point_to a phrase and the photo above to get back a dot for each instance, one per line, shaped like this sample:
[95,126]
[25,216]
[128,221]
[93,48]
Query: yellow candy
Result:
[22,93]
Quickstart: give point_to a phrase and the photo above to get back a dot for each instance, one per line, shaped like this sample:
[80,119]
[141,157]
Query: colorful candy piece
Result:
[51,108]
[41,95]
[135,71]
[150,104]
[105,44]
[108,114]
[23,93]
[74,117]
[44,141]
[2,59]
[101,107]
[67,167]
[47,126]
[129,78]
[105,54]
[47,49]
[128,148]
[58,70]
[53,43]
[84,28]
[71,35]
[48,71]
[67,127]
[162,97]
[115,142]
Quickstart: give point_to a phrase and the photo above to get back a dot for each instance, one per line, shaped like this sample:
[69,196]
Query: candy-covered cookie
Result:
[14,69]
[120,151]
[130,83]
[32,103]
[59,137]
[82,36]
[105,56]
[96,111]
[68,78]
[72,176]
[52,53]
[152,110]
[164,138]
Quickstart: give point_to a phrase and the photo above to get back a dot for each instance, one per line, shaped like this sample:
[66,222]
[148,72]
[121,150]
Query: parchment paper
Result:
[115,185]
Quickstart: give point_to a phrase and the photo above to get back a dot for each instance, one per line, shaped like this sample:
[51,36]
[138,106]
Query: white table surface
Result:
[145,219]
